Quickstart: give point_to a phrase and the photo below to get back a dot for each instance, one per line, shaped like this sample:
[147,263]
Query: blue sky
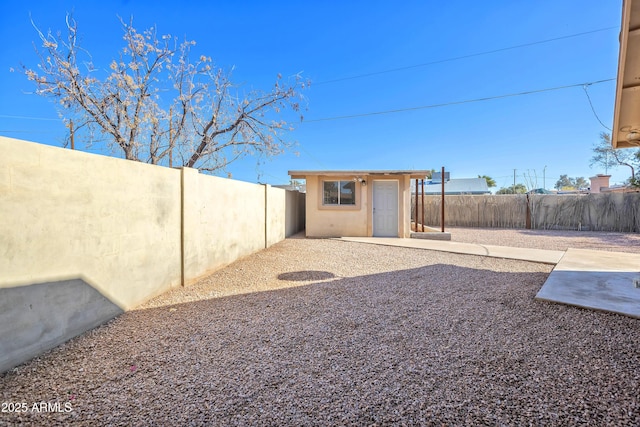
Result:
[547,133]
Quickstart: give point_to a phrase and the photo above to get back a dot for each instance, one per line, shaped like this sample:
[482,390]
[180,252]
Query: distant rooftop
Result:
[458,186]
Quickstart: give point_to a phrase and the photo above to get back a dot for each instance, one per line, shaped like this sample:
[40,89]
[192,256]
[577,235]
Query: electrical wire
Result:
[6,116]
[447,104]
[593,109]
[457,58]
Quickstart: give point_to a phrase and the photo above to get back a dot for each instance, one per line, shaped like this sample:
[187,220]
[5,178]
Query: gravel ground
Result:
[548,239]
[325,332]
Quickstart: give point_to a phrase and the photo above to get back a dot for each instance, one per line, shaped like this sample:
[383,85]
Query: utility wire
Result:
[5,116]
[467,101]
[457,58]
[593,109]
[28,131]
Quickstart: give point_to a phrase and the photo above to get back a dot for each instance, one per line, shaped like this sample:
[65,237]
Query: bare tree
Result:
[157,105]
[608,157]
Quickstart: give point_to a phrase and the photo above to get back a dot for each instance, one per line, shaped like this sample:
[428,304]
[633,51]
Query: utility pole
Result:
[170,137]
[544,177]
[513,189]
[73,146]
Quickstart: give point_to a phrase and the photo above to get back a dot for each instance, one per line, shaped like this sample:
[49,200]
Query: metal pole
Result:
[170,137]
[416,216]
[422,205]
[442,203]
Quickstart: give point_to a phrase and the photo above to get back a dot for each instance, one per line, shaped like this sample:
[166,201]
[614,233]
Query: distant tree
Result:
[580,182]
[297,184]
[517,189]
[158,105]
[606,156]
[490,181]
[564,182]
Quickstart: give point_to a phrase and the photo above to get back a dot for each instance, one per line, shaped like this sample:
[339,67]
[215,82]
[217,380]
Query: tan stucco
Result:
[353,221]
[220,226]
[85,237]
[67,215]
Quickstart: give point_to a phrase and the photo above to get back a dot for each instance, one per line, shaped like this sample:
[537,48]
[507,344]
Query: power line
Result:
[467,101]
[28,131]
[5,116]
[457,58]
[593,109]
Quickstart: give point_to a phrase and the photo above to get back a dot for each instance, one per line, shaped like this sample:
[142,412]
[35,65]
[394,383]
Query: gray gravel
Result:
[559,240]
[325,332]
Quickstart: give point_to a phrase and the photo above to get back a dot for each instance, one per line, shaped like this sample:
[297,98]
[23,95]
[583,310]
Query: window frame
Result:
[341,181]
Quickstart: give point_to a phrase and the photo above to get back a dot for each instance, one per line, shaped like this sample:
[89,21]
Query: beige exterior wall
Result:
[223,221]
[353,221]
[67,214]
[275,214]
[85,237]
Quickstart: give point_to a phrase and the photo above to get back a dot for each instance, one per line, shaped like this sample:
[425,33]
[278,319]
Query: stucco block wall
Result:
[85,237]
[66,214]
[82,238]
[223,221]
[295,212]
[275,213]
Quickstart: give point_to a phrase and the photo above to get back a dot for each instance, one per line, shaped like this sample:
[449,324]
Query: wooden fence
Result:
[596,212]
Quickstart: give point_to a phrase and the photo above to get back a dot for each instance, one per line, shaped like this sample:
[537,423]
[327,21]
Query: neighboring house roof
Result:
[421,174]
[458,186]
[540,191]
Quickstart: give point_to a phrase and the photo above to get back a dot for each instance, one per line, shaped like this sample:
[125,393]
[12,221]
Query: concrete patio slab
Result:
[598,280]
[608,281]
[522,254]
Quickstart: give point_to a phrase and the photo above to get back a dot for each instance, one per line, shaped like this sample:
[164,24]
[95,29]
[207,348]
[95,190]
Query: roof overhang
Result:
[626,114]
[420,174]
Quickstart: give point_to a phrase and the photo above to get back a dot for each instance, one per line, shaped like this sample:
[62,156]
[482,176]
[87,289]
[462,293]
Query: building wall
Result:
[356,221]
[598,182]
[84,237]
[223,220]
[295,212]
[324,221]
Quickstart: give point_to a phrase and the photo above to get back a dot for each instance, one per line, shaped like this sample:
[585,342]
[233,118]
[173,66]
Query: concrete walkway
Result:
[522,254]
[599,280]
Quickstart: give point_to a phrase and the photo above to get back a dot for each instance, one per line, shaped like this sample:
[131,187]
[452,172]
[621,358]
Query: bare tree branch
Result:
[155,102]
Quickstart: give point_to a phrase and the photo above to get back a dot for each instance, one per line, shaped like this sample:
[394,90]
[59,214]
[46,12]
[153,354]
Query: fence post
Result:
[442,203]
[528,216]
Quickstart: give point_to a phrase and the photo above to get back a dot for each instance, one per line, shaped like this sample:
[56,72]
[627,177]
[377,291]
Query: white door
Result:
[385,208]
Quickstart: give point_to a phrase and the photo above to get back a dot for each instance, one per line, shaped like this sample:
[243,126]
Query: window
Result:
[339,193]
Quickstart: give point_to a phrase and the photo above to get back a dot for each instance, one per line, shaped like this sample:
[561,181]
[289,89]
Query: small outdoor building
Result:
[361,203]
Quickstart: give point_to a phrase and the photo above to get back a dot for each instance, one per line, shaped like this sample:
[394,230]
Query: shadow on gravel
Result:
[440,344]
